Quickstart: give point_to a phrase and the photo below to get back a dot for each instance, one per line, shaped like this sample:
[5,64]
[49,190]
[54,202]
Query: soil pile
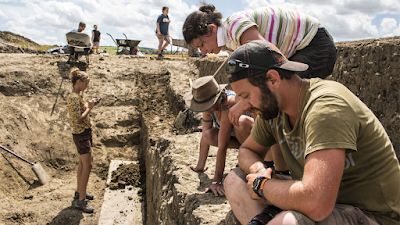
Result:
[125,175]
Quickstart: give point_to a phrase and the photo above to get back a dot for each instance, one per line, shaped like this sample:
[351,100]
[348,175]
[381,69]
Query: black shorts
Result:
[320,55]
[83,141]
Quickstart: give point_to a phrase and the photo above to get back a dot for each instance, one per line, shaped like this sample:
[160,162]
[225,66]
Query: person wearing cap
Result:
[214,101]
[342,163]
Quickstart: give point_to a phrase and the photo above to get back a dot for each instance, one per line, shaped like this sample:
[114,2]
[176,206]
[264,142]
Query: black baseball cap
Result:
[257,57]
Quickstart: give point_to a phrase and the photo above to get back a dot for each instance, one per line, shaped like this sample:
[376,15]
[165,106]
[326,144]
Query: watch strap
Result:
[257,185]
[262,188]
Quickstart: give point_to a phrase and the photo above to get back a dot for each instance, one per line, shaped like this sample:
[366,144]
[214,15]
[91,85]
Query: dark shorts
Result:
[320,55]
[83,141]
[341,214]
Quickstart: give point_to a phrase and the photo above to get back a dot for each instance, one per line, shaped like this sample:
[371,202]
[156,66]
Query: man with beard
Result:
[342,164]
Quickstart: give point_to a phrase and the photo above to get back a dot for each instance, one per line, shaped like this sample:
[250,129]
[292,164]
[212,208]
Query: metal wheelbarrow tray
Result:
[132,44]
[79,44]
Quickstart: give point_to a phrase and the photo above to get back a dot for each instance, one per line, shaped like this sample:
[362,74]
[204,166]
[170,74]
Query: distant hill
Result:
[15,39]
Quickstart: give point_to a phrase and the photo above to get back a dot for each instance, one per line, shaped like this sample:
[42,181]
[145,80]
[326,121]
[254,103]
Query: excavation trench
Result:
[135,122]
[172,193]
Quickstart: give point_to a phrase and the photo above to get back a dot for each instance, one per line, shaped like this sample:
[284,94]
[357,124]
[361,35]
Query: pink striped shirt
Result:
[290,30]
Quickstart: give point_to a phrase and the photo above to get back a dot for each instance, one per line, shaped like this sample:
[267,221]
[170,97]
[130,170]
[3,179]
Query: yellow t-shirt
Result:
[333,117]
[76,106]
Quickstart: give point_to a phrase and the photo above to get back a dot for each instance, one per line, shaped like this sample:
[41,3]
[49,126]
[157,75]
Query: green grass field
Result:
[110,49]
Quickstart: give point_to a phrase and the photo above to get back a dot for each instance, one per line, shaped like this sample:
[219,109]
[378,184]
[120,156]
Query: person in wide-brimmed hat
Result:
[214,101]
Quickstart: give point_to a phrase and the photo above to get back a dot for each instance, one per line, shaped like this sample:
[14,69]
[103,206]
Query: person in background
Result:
[343,167]
[78,110]
[82,26]
[162,31]
[96,36]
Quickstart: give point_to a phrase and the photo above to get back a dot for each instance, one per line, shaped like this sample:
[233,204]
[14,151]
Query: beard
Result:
[269,108]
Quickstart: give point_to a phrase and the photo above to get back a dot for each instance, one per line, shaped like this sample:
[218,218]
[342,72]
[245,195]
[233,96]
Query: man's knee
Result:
[231,182]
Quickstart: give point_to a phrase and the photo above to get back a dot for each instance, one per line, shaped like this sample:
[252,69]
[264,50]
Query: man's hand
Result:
[250,179]
[216,188]
[234,113]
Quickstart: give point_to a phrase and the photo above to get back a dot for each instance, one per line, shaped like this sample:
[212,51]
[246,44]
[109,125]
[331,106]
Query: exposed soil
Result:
[135,121]
[126,174]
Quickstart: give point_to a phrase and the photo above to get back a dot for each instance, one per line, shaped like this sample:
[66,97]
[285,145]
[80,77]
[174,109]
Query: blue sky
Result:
[46,22]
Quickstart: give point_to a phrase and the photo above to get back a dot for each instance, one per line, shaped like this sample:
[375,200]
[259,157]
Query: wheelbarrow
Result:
[192,52]
[128,46]
[78,44]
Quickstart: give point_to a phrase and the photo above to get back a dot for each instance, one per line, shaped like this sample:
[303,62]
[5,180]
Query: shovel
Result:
[36,168]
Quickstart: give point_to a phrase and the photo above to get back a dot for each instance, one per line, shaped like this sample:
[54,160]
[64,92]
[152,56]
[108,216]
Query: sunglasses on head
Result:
[234,66]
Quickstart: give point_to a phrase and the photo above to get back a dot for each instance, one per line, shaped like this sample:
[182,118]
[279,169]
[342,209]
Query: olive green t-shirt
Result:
[333,117]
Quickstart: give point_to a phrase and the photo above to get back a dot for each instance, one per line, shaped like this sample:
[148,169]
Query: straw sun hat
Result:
[204,94]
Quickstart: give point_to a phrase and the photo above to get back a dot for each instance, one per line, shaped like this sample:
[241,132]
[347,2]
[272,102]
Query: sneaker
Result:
[84,206]
[230,219]
[160,55]
[88,196]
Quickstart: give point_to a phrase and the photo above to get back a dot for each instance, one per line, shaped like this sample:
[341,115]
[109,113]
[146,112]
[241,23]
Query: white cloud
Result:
[344,19]
[50,40]
[24,31]
[388,25]
[2,14]
[45,21]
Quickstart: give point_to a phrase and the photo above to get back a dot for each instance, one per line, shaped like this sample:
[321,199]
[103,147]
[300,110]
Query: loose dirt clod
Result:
[126,175]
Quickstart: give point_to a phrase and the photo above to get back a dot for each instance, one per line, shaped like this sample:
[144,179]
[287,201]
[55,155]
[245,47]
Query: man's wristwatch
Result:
[258,184]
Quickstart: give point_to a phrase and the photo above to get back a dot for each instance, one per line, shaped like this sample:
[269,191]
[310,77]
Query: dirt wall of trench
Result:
[369,68]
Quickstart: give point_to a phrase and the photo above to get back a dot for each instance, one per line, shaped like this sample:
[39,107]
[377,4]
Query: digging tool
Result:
[220,67]
[62,79]
[37,168]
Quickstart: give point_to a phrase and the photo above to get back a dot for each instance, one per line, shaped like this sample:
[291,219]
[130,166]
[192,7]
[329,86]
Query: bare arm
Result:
[315,195]
[158,29]
[85,114]
[235,112]
[92,36]
[251,156]
[224,136]
[250,34]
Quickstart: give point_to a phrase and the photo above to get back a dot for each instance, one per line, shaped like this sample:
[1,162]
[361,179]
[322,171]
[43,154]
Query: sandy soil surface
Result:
[134,122]
[34,124]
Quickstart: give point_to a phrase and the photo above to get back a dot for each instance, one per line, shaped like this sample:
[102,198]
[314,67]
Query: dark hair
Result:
[82,24]
[163,8]
[196,23]
[260,81]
